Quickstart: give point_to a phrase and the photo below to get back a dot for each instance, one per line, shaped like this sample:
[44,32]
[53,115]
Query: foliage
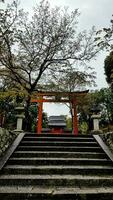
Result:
[83,128]
[33,112]
[108,139]
[103,99]
[69,123]
[71,80]
[108,67]
[104,40]
[104,37]
[6,138]
[44,120]
[7,113]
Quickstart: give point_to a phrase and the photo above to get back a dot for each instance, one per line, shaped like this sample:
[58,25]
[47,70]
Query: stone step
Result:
[60,148]
[59,161]
[55,193]
[69,139]
[51,167]
[58,143]
[58,154]
[58,135]
[59,169]
[56,180]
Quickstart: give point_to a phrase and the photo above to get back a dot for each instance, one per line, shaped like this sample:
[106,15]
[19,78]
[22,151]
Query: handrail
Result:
[104,146]
[11,149]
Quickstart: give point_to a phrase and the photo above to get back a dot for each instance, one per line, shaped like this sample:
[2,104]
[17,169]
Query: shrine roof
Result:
[57,121]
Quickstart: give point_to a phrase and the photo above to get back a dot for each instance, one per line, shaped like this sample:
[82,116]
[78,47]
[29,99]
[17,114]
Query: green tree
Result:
[108,67]
[44,120]
[104,37]
[103,99]
[7,113]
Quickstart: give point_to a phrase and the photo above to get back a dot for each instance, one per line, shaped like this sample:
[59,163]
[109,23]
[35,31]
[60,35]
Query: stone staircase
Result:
[57,166]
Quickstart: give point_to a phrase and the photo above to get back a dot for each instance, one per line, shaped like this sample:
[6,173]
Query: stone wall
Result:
[6,138]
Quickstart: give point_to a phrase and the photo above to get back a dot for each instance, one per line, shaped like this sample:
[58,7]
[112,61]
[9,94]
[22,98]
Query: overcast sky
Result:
[93,13]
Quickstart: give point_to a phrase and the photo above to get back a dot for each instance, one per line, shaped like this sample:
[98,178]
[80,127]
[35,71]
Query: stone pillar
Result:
[96,118]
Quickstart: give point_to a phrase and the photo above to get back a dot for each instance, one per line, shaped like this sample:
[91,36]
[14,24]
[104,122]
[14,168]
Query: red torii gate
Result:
[61,97]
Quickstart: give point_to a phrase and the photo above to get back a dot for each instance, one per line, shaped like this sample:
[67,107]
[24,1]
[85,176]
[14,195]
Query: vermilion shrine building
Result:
[58,97]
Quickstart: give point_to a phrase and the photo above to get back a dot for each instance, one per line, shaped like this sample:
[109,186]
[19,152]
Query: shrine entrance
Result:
[58,97]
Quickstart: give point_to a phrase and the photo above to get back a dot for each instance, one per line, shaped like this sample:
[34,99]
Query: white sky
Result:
[93,13]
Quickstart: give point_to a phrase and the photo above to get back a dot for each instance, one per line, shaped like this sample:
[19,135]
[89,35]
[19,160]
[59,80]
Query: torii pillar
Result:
[40,109]
[75,120]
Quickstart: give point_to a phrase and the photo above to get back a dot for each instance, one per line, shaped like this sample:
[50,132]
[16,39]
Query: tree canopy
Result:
[104,37]
[108,67]
[33,47]
[104,40]
[102,99]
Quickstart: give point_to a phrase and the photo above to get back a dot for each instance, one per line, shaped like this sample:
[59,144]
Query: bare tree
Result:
[37,45]
[1,0]
[70,80]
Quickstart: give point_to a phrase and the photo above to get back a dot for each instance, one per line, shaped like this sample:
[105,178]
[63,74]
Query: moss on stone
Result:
[108,139]
[6,138]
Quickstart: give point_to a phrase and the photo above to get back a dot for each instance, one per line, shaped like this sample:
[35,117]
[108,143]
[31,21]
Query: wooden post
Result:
[39,123]
[75,120]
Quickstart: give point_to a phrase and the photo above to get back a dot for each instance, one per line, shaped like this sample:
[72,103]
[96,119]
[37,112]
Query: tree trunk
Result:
[27,124]
[111,118]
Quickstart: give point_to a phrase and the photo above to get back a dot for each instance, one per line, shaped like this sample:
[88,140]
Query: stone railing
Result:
[108,139]
[6,138]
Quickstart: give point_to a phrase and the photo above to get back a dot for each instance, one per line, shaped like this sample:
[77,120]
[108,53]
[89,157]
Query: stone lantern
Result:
[20,114]
[95,116]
